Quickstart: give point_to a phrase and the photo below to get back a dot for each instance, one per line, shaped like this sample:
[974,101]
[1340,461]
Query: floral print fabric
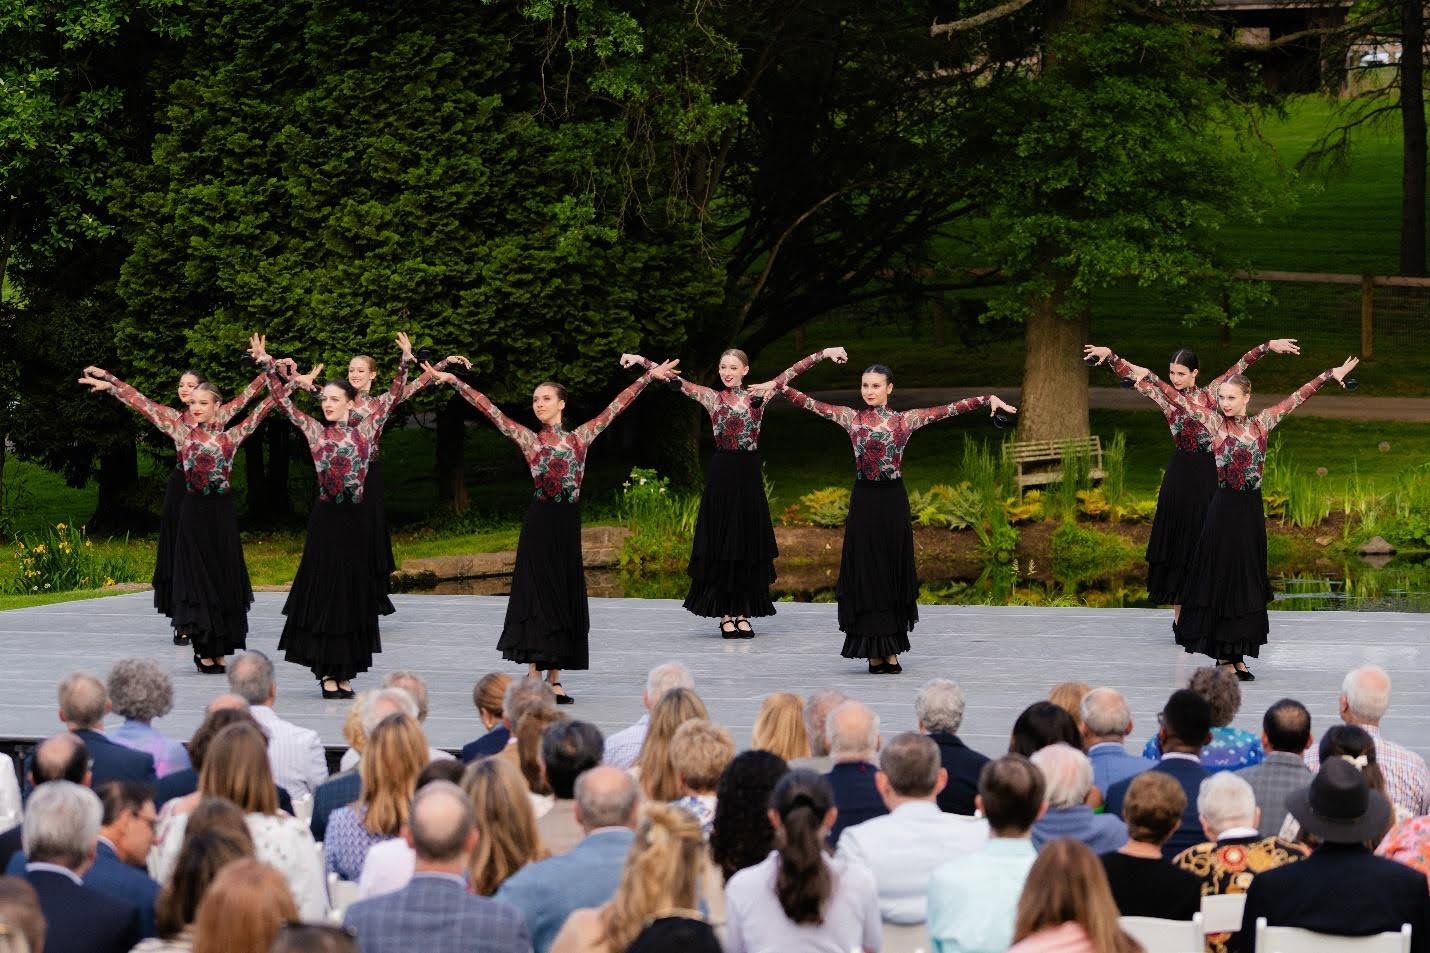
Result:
[1228,867]
[1188,433]
[736,415]
[1230,749]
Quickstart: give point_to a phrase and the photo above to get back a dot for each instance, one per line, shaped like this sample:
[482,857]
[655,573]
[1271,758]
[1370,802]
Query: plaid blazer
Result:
[1271,780]
[435,914]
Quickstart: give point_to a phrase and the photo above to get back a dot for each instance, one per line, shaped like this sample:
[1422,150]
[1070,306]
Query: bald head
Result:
[83,701]
[61,757]
[853,732]
[606,797]
[442,825]
[226,702]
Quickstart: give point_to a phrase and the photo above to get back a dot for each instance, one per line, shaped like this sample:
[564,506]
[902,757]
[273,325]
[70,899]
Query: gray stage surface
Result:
[1004,657]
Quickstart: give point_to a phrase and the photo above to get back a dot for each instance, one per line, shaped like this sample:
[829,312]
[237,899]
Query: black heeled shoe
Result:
[561,697]
[333,693]
[893,668]
[731,633]
[748,632]
[180,638]
[217,668]
[878,669]
[1244,674]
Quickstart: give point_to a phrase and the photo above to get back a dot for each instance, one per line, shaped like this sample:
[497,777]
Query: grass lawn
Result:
[50,598]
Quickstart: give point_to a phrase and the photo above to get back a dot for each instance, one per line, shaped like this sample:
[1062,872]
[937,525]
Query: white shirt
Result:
[10,807]
[294,753]
[903,848]
[55,869]
[624,746]
[758,924]
[387,869]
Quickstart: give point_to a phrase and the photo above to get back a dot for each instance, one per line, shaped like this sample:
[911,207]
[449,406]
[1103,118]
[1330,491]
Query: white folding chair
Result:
[1167,936]
[303,808]
[1271,939]
[1221,913]
[341,894]
[905,938]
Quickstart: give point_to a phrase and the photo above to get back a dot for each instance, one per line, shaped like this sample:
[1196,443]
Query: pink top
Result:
[1067,937]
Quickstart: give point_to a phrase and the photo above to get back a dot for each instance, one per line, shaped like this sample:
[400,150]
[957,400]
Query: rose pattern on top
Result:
[736,415]
[1187,432]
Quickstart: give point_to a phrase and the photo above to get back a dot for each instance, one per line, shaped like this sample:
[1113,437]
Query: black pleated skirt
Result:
[1225,592]
[174,492]
[547,620]
[732,559]
[375,507]
[878,587]
[333,607]
[211,591]
[1187,490]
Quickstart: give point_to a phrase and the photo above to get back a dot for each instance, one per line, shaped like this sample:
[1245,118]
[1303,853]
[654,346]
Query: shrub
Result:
[61,559]
[951,507]
[1299,497]
[1080,554]
[661,523]
[828,507]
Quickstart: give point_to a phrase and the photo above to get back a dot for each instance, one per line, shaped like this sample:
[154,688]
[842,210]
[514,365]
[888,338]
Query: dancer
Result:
[547,623]
[878,587]
[210,592]
[732,558]
[333,606]
[1189,481]
[1225,588]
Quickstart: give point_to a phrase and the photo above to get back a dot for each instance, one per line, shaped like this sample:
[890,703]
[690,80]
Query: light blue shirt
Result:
[1111,763]
[169,755]
[973,899]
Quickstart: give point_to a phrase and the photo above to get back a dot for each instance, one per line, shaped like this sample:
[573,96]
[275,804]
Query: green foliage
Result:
[1299,497]
[827,507]
[1409,506]
[1061,501]
[662,523]
[1079,553]
[951,507]
[1114,465]
[61,558]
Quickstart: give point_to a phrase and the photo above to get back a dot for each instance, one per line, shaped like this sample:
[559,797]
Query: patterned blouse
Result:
[1408,843]
[878,434]
[1187,432]
[736,415]
[347,841]
[1229,866]
[1230,749]
[205,454]
[385,403]
[556,456]
[341,452]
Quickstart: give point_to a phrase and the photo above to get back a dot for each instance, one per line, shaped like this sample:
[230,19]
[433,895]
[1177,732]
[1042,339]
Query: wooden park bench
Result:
[1039,462]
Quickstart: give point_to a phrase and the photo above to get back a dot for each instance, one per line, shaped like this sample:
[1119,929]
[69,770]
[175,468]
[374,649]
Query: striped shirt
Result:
[1407,778]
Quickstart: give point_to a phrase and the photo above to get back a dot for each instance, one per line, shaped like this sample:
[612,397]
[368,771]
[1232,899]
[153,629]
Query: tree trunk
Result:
[115,510]
[2,487]
[1054,400]
[279,505]
[452,455]
[255,480]
[1412,125]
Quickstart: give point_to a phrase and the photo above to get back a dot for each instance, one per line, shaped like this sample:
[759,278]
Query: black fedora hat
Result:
[1338,807]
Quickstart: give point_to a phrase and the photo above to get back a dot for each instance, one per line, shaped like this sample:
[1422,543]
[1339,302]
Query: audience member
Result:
[1067,907]
[372,707]
[1354,744]
[902,848]
[435,912]
[10,804]
[1230,749]
[1184,729]
[61,757]
[487,697]
[939,709]
[1106,722]
[1365,697]
[529,732]
[972,900]
[243,909]
[821,702]
[1068,775]
[741,835]
[203,854]
[523,695]
[126,833]
[391,863]
[1341,888]
[177,793]
[660,876]
[314,938]
[623,747]
[1042,724]
[20,908]
[546,892]
[504,816]
[1408,843]
[295,754]
[568,750]
[140,691]
[416,688]
[367,711]
[1068,696]
[1285,736]
[1143,883]
[653,767]
[779,727]
[853,731]
[699,753]
[676,932]
[396,754]
[797,898]
[83,705]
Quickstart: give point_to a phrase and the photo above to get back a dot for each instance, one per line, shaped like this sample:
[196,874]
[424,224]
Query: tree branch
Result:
[775,250]
[978,19]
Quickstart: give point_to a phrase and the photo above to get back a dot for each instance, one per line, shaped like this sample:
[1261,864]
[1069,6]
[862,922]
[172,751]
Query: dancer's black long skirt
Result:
[163,579]
[1226,590]
[333,607]
[547,621]
[1187,490]
[211,588]
[374,505]
[878,588]
[732,560]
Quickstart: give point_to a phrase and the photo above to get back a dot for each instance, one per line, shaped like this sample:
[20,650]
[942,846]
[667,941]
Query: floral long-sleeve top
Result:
[555,455]
[1238,444]
[736,415]
[341,452]
[878,434]
[1187,432]
[366,404]
[206,453]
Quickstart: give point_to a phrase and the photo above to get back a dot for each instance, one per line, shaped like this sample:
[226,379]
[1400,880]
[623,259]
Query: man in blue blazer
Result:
[1185,726]
[83,705]
[853,730]
[1106,723]
[546,892]
[58,758]
[939,709]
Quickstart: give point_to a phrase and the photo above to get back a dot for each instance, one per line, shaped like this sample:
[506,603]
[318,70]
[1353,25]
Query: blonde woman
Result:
[396,754]
[1067,906]
[779,727]
[653,767]
[666,861]
[508,824]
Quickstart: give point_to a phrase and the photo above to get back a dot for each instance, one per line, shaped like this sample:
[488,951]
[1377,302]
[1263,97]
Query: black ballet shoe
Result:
[1244,674]
[180,638]
[879,669]
[217,668]
[893,668]
[561,697]
[731,633]
[331,693]
[748,632]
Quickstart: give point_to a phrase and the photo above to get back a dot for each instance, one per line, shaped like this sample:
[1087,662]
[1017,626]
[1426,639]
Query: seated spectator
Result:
[1143,883]
[61,757]
[244,908]
[236,768]
[741,834]
[435,911]
[508,824]
[10,806]
[779,727]
[20,910]
[530,730]
[371,708]
[973,899]
[1042,724]
[390,863]
[1230,749]
[1184,729]
[203,854]
[1067,907]
[902,848]
[523,695]
[177,793]
[854,741]
[1358,746]
[140,691]
[797,898]
[1285,737]
[487,697]
[416,688]
[676,932]
[1235,851]
[816,716]
[568,750]
[1106,722]
[297,761]
[1341,888]
[1068,776]
[1068,696]
[546,892]
[699,752]
[396,754]
[83,705]
[939,709]
[623,747]
[61,834]
[653,768]
[660,876]
[366,713]
[314,938]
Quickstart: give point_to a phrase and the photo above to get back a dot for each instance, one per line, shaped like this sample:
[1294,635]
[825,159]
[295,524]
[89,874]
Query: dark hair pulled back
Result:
[802,880]
[1185,357]
[881,369]
[343,386]
[196,375]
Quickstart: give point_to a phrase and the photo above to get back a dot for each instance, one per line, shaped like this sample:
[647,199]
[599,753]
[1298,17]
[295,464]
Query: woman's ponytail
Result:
[803,881]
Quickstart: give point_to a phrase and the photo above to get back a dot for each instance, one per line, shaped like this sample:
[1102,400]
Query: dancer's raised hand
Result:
[1094,351]
[307,380]
[837,354]
[258,348]
[631,360]
[99,372]
[763,389]
[458,359]
[996,403]
[406,345]
[444,377]
[1285,346]
[664,372]
[1340,373]
[96,384]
